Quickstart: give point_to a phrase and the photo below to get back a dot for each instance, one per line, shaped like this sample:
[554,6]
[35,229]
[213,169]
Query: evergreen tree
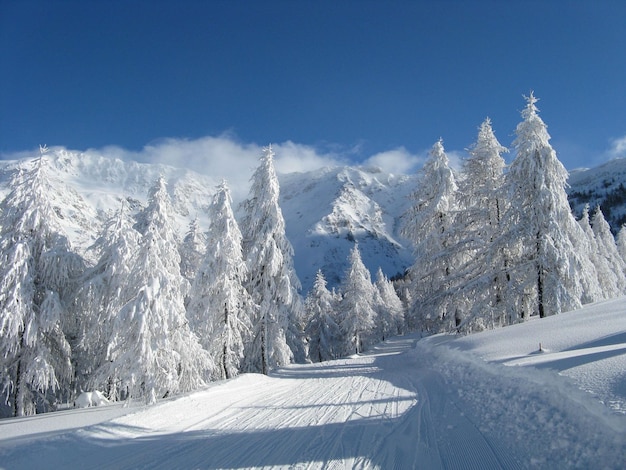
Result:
[37,278]
[429,225]
[322,330]
[220,307]
[599,264]
[390,308]
[540,225]
[152,352]
[357,307]
[621,242]
[483,267]
[106,288]
[613,281]
[192,251]
[272,281]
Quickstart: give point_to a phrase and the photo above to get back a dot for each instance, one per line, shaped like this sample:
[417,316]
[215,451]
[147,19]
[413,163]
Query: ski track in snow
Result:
[405,404]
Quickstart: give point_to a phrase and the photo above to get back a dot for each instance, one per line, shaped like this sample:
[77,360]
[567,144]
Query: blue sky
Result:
[358,81]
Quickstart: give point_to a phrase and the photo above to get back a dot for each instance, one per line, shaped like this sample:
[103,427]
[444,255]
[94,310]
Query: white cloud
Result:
[618,147]
[292,157]
[397,161]
[223,157]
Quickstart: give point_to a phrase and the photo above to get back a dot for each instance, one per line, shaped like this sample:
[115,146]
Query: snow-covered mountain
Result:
[604,185]
[326,210]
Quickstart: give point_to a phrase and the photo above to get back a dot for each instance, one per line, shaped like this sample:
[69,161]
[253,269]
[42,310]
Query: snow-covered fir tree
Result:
[38,271]
[272,282]
[613,282]
[152,352]
[322,330]
[192,251]
[220,307]
[390,310]
[621,242]
[428,224]
[483,267]
[106,288]
[599,264]
[540,226]
[357,314]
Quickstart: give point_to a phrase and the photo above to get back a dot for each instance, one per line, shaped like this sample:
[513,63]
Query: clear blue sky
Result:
[365,75]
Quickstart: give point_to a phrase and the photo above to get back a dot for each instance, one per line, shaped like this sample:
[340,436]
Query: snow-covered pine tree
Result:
[192,251]
[540,225]
[483,267]
[38,271]
[322,330]
[106,288]
[220,307]
[390,308]
[613,282]
[272,281]
[593,291]
[621,242]
[152,352]
[428,224]
[357,314]
[599,264]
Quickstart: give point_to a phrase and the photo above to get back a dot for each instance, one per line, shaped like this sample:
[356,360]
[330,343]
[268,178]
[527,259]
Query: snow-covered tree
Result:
[192,251]
[540,225]
[428,224]
[272,280]
[612,281]
[621,242]
[105,289]
[322,330]
[389,307]
[482,269]
[152,352]
[37,277]
[220,307]
[357,314]
[594,290]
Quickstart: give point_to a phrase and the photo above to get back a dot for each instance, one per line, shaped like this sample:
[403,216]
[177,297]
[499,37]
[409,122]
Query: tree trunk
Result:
[18,395]
[540,293]
[263,345]
[540,286]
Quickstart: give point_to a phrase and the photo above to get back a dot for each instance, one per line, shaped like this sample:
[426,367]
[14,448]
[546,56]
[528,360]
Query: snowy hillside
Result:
[490,400]
[605,186]
[327,210]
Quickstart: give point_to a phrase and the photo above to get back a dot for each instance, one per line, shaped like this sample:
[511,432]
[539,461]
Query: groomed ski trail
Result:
[402,405]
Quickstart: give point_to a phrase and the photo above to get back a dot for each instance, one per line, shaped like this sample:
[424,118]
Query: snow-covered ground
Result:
[491,400]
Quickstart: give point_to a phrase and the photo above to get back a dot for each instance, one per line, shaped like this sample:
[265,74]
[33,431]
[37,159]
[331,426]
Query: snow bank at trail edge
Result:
[564,407]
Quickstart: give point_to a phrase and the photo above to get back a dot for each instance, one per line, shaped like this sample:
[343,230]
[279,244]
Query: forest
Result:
[157,316]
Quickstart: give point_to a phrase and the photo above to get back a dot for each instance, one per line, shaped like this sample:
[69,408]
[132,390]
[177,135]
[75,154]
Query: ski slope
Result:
[490,400]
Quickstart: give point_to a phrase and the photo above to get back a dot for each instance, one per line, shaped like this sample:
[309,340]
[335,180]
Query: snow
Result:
[88,399]
[490,400]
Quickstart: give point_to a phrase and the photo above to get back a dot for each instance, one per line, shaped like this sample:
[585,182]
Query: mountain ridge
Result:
[326,210]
